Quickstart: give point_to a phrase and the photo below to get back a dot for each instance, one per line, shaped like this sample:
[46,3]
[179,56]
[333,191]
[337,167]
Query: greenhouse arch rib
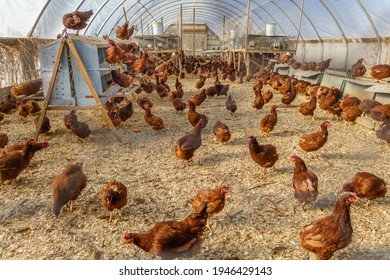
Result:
[38,19]
[341,30]
[374,28]
[207,12]
[164,3]
[314,28]
[95,15]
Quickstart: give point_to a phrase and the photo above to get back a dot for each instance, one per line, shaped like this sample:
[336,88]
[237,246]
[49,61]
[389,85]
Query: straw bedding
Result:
[258,221]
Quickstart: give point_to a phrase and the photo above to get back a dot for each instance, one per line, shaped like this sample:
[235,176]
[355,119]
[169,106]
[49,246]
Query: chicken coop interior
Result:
[194,130]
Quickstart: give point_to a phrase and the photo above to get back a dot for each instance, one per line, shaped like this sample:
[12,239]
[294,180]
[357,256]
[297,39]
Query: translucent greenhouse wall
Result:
[347,22]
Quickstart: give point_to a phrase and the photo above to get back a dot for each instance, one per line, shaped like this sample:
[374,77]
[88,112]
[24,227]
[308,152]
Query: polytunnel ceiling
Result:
[321,19]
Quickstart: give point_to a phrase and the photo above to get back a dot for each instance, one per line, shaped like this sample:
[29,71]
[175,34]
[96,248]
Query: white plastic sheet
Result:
[322,19]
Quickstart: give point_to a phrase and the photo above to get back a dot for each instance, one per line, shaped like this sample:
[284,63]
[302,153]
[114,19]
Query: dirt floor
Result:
[258,221]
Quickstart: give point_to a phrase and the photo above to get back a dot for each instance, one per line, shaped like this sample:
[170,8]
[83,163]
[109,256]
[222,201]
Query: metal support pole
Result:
[193,32]
[246,35]
[299,26]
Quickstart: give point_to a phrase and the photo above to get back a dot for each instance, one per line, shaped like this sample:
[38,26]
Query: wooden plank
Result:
[51,87]
[166,62]
[91,88]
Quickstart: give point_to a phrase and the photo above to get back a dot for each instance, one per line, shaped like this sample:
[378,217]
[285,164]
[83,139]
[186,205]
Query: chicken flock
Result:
[174,238]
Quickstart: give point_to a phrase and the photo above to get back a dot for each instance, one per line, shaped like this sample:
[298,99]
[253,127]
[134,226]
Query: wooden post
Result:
[51,87]
[223,32]
[246,35]
[124,12]
[181,38]
[91,87]
[239,62]
[193,32]
[142,29]
[234,59]
[299,26]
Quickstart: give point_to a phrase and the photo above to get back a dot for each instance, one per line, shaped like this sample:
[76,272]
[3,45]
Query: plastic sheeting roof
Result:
[322,19]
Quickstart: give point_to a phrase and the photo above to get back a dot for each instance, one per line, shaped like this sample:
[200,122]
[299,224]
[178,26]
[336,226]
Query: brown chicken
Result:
[76,20]
[114,196]
[33,107]
[200,83]
[113,53]
[289,96]
[124,32]
[336,110]
[350,114]
[384,131]
[170,239]
[265,155]
[14,162]
[144,100]
[141,64]
[358,69]
[161,90]
[304,181]
[268,123]
[308,108]
[349,101]
[380,113]
[155,122]
[3,140]
[267,96]
[80,129]
[213,198]
[313,142]
[115,118]
[326,102]
[223,89]
[221,132]
[67,186]
[126,111]
[199,98]
[188,144]
[259,102]
[45,128]
[178,104]
[194,117]
[70,118]
[323,65]
[331,233]
[122,79]
[27,89]
[147,87]
[366,185]
[367,105]
[231,104]
[23,110]
[380,71]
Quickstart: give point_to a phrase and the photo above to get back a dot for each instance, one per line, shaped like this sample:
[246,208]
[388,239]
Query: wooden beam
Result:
[51,87]
[95,95]
[193,32]
[166,62]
